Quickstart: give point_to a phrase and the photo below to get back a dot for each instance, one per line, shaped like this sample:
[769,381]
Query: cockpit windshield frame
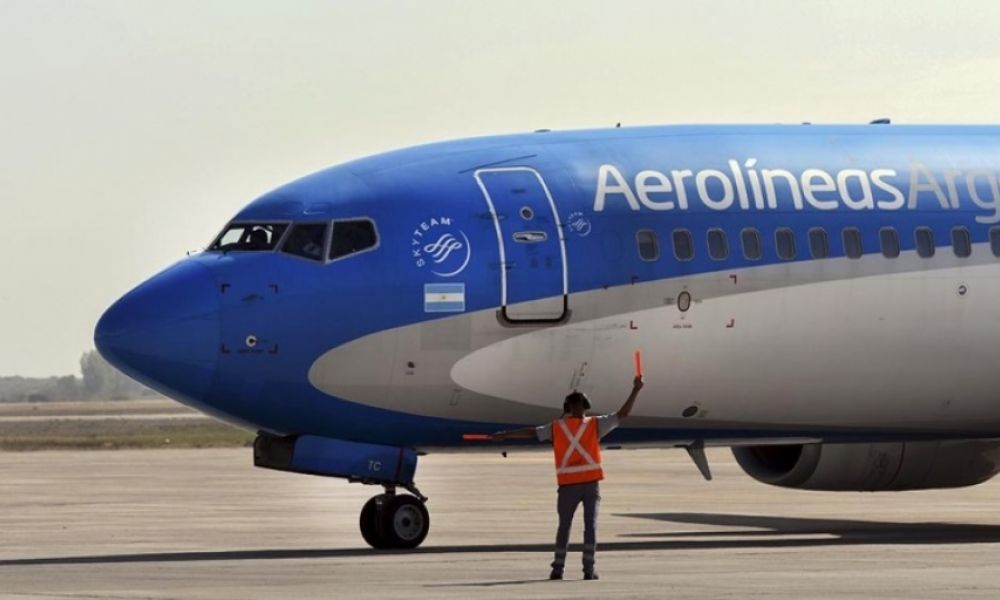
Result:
[320,259]
[333,231]
[285,224]
[289,226]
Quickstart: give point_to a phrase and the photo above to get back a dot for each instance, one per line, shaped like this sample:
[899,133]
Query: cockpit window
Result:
[352,236]
[249,237]
[306,240]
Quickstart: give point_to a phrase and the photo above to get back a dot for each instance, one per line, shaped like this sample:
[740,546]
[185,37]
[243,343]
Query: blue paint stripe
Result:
[444,306]
[444,288]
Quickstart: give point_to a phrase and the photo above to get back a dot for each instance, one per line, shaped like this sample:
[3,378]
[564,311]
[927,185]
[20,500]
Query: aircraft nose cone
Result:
[165,333]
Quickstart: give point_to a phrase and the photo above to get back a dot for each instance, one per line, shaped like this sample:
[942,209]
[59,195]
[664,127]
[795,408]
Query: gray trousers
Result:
[570,496]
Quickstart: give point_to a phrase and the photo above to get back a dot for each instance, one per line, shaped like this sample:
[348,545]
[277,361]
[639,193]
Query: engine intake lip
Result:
[788,466]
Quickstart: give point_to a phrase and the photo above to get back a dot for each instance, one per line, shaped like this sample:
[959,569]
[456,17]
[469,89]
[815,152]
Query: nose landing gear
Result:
[391,521]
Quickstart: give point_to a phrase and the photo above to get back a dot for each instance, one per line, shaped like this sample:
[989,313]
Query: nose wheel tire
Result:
[371,522]
[390,521]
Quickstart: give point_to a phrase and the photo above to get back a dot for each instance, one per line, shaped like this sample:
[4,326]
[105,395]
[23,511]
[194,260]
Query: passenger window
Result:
[306,240]
[819,246]
[248,237]
[649,246]
[961,243]
[889,240]
[683,244]
[785,242]
[718,245]
[925,241]
[852,242]
[995,240]
[751,244]
[353,236]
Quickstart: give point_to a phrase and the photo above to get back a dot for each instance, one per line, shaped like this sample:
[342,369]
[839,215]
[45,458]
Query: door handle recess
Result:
[530,237]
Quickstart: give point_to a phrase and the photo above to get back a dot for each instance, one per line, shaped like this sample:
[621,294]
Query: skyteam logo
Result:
[440,246]
[578,224]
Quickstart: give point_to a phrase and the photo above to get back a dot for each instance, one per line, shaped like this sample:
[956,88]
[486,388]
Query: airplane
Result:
[823,299]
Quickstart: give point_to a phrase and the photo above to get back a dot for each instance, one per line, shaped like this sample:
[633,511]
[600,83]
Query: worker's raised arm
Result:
[525,433]
[626,408]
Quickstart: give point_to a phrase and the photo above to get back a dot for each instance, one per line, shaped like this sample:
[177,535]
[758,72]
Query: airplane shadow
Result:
[838,532]
[750,531]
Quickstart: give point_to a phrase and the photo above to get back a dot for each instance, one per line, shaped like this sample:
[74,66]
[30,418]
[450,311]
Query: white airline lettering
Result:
[898,199]
[618,187]
[644,188]
[749,188]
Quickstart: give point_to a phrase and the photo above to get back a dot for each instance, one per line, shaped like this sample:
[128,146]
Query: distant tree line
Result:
[99,381]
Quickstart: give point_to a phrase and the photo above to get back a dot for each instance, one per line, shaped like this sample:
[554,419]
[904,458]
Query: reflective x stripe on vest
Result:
[577,453]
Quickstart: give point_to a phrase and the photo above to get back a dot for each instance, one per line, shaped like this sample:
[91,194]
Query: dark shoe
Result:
[555,574]
[591,575]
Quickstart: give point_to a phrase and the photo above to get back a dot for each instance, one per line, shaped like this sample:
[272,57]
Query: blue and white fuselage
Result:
[822,283]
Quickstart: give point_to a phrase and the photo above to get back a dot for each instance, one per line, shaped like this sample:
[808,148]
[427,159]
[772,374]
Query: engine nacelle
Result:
[872,467]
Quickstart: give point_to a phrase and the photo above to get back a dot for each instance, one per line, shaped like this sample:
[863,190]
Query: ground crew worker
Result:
[575,440]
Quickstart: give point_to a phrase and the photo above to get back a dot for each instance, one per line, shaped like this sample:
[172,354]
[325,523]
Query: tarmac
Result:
[205,524]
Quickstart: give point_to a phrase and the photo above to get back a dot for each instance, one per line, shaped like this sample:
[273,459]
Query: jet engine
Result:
[891,466]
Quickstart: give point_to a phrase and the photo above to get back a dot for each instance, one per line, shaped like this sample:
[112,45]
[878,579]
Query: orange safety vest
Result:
[577,450]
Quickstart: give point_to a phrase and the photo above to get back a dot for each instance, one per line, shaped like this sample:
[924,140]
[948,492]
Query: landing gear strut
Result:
[391,521]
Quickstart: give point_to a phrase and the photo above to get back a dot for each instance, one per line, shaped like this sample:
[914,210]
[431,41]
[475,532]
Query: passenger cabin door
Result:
[534,284]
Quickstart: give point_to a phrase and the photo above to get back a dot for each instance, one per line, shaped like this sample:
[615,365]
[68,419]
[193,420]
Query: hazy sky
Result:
[131,130]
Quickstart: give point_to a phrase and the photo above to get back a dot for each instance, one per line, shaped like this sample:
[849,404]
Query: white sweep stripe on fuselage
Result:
[905,350]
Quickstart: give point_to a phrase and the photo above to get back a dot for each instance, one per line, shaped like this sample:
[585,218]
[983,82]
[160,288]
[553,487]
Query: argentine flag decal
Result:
[444,297]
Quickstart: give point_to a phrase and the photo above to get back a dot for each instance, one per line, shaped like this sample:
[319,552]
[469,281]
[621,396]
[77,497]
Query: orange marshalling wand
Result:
[638,363]
[475,437]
